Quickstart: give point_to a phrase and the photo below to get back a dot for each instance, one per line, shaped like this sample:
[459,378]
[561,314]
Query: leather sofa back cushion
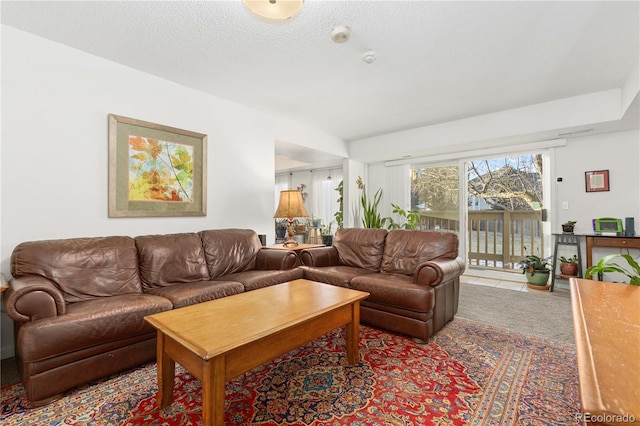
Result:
[228,251]
[360,247]
[82,268]
[405,250]
[171,259]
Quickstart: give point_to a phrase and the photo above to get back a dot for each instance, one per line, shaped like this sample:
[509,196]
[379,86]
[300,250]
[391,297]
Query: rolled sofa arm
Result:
[438,271]
[273,259]
[32,297]
[320,256]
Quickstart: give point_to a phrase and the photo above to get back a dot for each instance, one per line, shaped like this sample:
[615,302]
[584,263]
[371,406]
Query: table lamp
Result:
[291,205]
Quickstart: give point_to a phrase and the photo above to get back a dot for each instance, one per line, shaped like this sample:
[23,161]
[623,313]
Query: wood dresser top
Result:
[607,330]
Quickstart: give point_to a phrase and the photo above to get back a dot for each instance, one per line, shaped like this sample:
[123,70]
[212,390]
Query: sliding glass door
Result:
[498,201]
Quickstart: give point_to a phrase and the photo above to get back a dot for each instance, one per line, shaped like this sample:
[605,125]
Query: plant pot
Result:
[327,240]
[280,233]
[567,229]
[538,278]
[569,269]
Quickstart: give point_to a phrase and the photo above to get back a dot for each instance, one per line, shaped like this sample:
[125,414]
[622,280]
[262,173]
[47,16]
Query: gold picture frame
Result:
[155,170]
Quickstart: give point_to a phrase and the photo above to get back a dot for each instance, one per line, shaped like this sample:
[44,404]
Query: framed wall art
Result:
[155,170]
[596,181]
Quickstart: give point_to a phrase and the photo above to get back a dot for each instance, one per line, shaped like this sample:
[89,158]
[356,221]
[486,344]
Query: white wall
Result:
[55,102]
[620,154]
[616,152]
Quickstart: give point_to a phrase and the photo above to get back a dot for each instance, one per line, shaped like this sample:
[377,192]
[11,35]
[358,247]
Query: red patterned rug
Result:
[468,374]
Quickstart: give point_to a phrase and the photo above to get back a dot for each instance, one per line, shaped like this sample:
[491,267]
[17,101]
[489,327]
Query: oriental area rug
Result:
[468,374]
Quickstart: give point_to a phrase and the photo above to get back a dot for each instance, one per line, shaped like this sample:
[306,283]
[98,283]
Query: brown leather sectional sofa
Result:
[79,304]
[412,276]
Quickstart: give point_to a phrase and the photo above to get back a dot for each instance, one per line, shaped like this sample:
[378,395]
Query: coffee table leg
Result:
[166,374]
[353,335]
[213,380]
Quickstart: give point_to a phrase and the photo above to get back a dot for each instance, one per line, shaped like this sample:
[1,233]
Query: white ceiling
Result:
[436,61]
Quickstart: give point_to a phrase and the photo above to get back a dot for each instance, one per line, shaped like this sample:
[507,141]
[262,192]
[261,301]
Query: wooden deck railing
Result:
[497,239]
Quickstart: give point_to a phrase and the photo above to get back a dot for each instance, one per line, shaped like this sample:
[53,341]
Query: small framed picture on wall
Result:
[596,180]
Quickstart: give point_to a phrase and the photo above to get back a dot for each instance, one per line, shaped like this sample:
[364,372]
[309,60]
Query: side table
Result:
[565,240]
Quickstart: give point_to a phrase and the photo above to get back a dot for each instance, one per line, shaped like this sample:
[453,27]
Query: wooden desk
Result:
[606,321]
[223,338]
[594,240]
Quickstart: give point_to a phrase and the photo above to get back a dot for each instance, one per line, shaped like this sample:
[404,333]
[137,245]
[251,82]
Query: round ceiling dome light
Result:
[340,34]
[274,9]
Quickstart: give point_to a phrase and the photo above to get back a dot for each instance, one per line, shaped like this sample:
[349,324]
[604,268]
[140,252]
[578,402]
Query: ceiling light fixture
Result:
[274,9]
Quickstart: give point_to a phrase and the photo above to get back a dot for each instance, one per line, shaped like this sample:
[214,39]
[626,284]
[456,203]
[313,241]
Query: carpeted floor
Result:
[536,312]
[469,373]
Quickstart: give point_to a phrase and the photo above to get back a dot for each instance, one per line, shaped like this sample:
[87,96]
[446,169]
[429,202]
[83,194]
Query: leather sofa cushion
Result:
[406,249]
[196,292]
[82,268]
[336,275]
[87,324]
[395,290]
[228,251]
[171,259]
[252,280]
[360,248]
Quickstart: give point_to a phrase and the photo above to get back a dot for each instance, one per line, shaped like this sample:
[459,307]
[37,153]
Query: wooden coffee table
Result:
[221,339]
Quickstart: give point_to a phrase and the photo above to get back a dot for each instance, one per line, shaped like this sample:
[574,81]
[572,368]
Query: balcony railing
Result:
[497,239]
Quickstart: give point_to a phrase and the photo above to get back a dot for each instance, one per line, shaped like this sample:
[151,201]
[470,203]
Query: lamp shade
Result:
[291,204]
[274,9]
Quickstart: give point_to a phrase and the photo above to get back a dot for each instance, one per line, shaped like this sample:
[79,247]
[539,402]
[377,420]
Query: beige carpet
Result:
[542,314]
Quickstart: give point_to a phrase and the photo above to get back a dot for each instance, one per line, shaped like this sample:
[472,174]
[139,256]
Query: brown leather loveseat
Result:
[412,276]
[78,305]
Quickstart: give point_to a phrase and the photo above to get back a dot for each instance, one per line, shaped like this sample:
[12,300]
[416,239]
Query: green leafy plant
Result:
[371,217]
[570,223]
[339,215]
[326,229]
[533,264]
[411,219]
[282,223]
[606,265]
[573,259]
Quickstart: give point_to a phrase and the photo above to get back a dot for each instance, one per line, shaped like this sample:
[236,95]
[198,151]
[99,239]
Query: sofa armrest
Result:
[32,297]
[438,271]
[320,256]
[270,259]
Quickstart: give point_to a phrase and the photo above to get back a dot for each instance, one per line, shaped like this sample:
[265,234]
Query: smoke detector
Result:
[340,34]
[369,56]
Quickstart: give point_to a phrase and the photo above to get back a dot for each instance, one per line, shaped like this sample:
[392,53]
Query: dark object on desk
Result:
[629,227]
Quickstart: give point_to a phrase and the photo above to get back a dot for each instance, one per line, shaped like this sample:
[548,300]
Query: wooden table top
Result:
[607,331]
[212,328]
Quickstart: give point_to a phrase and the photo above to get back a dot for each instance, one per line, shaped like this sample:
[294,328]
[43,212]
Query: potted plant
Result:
[569,266]
[537,271]
[325,232]
[606,265]
[567,227]
[281,227]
